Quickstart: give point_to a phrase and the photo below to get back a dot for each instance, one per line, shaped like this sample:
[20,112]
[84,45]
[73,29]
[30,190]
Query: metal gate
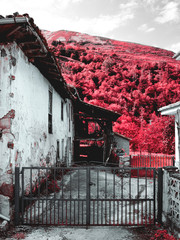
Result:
[82,196]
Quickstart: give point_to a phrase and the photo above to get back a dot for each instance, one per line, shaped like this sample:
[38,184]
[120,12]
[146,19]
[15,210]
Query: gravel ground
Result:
[79,233]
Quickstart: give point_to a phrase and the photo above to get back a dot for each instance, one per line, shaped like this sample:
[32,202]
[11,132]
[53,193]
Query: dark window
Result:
[69,117]
[62,149]
[57,153]
[62,110]
[50,112]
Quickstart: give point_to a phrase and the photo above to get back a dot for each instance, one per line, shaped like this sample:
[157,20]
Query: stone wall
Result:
[171,200]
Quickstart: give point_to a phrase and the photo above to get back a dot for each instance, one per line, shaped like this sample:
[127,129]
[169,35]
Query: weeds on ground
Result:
[162,235]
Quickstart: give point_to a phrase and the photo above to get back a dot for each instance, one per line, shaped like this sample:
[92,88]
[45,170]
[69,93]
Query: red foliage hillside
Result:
[132,79]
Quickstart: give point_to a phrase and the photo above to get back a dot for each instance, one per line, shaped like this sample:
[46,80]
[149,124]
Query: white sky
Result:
[150,22]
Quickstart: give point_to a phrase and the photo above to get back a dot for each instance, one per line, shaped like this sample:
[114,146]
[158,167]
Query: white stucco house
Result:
[42,119]
[36,109]
[174,109]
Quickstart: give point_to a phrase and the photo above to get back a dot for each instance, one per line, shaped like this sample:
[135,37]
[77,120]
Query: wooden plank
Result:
[48,63]
[31,50]
[54,73]
[34,43]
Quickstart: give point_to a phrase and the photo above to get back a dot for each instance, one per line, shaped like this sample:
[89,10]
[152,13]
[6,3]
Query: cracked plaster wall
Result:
[24,137]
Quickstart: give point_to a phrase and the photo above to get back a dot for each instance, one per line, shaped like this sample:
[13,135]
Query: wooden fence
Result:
[149,161]
[152,161]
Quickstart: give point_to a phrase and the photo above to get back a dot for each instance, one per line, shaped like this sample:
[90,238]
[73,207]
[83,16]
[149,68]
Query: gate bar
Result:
[16,218]
[88,197]
[160,195]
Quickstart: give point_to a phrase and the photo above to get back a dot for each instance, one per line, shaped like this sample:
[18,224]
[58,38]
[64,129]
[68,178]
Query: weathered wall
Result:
[171,200]
[24,137]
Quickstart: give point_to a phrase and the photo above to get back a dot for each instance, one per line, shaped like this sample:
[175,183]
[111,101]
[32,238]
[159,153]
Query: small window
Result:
[62,111]
[50,111]
[62,149]
[57,152]
[69,117]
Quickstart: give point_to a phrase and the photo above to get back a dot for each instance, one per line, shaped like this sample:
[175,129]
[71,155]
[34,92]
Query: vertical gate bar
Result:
[54,193]
[39,195]
[35,212]
[130,198]
[88,196]
[126,212]
[146,197]
[50,210]
[66,213]
[154,202]
[62,202]
[105,196]
[17,196]
[22,209]
[101,212]
[142,212]
[42,211]
[74,212]
[31,195]
[138,198]
[110,212]
[83,212]
[160,196]
[117,212]
[97,196]
[46,195]
[134,213]
[62,209]
[70,196]
[93,212]
[78,197]
[114,196]
[58,217]
[149,218]
[122,202]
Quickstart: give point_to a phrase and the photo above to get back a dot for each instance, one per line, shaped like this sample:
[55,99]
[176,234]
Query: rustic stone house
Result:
[36,110]
[42,120]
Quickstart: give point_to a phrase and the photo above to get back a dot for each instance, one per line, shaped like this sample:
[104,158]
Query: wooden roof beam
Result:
[35,43]
[38,56]
[31,50]
[54,73]
[48,63]
[13,31]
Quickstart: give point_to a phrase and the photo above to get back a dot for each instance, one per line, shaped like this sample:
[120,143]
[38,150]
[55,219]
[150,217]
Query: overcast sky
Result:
[150,22]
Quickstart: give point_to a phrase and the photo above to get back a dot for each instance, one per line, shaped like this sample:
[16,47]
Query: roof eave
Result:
[170,109]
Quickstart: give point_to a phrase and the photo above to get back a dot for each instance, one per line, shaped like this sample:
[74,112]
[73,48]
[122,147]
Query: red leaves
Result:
[134,80]
[162,235]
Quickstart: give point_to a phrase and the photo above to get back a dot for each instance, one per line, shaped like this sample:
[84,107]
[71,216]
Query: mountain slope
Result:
[132,79]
